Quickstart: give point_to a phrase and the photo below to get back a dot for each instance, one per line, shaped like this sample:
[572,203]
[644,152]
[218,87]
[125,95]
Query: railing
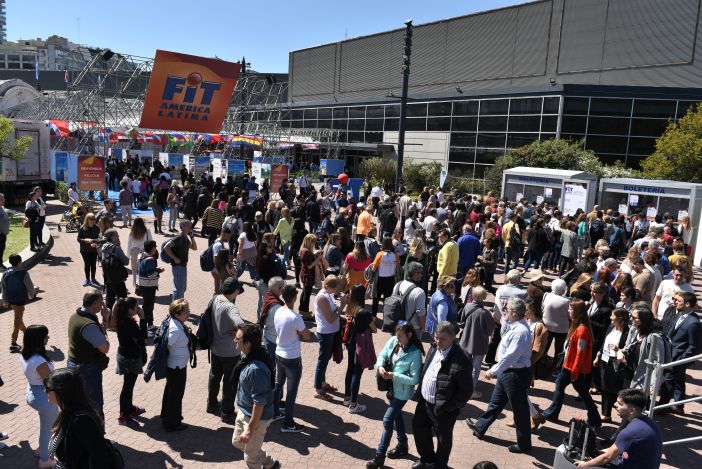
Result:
[652,366]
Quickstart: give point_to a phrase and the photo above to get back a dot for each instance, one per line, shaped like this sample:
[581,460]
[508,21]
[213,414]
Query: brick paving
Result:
[333,436]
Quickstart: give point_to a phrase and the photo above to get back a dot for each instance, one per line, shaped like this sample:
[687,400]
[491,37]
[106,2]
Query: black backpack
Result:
[114,270]
[597,229]
[205,329]
[515,237]
[207,263]
[394,309]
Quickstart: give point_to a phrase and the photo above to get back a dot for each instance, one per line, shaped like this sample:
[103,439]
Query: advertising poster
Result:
[188,93]
[651,213]
[279,173]
[442,176]
[331,167]
[91,173]
[256,169]
[175,159]
[202,164]
[548,192]
[61,159]
[163,158]
[623,209]
[575,197]
[682,214]
[236,166]
[634,200]
[539,199]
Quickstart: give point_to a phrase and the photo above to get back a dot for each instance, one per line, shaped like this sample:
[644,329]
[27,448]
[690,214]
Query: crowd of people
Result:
[602,287]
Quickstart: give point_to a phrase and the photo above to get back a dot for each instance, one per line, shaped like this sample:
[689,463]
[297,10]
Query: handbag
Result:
[385,385]
[318,276]
[25,222]
[543,369]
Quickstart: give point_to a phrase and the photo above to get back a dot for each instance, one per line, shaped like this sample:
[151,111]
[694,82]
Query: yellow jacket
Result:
[507,229]
[447,263]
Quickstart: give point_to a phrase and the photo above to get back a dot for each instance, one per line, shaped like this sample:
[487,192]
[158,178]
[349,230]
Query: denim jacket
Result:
[406,371]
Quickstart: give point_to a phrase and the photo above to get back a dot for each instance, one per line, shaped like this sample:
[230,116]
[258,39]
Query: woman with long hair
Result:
[174,202]
[401,362]
[36,366]
[138,235]
[148,274]
[387,264]
[611,378]
[31,213]
[266,265]
[309,260]
[355,264]
[418,253]
[347,243]
[284,229]
[131,355]
[359,320]
[77,439]
[326,315]
[88,237]
[246,255]
[577,366]
[470,280]
[160,196]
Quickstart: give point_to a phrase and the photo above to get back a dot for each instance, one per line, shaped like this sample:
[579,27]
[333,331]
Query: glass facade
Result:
[615,128]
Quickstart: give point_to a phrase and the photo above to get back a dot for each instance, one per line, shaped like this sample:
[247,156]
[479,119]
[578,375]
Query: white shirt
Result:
[611,340]
[411,225]
[136,186]
[178,345]
[429,381]
[133,243]
[287,324]
[666,290]
[29,368]
[324,327]
[388,264]
[73,197]
[376,192]
[217,247]
[244,242]
[429,223]
[680,319]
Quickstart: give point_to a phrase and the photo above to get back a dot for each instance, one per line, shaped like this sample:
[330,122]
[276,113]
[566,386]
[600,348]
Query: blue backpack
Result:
[163,254]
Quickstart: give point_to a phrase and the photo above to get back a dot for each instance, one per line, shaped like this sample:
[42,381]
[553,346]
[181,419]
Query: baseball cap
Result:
[232,285]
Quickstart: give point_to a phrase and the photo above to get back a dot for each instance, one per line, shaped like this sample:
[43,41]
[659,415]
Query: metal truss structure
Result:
[109,93]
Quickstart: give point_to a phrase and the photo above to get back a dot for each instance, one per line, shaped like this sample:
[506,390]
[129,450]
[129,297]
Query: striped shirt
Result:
[429,381]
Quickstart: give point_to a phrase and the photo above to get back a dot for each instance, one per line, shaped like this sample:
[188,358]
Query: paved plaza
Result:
[333,437]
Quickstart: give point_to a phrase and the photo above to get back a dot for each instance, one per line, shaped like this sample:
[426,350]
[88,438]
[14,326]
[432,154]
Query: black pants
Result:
[298,265]
[172,403]
[126,407]
[3,242]
[34,234]
[149,296]
[89,264]
[384,289]
[114,291]
[560,340]
[426,424]
[674,385]
[305,298]
[221,369]
[511,386]
[42,221]
[212,235]
[492,346]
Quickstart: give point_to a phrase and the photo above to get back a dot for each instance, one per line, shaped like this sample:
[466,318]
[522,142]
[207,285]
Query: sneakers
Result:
[127,422]
[357,409]
[95,283]
[347,401]
[399,451]
[229,419]
[137,411]
[15,348]
[292,428]
[214,410]
[377,462]
[476,395]
[280,416]
[86,283]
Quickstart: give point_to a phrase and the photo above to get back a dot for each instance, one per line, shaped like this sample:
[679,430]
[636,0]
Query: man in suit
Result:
[444,388]
[685,336]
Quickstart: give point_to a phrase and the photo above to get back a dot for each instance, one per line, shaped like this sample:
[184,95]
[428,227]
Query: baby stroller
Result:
[73,218]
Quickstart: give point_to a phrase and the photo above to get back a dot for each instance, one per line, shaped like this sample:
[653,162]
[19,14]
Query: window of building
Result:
[324,123]
[479,172]
[463,139]
[356,137]
[442,124]
[392,125]
[340,124]
[523,123]
[487,155]
[416,124]
[610,107]
[374,137]
[417,110]
[574,124]
[465,108]
[606,144]
[577,106]
[518,140]
[494,106]
[461,170]
[310,114]
[28,66]
[496,123]
[392,110]
[14,57]
[525,106]
[357,112]
[551,105]
[462,156]
[549,123]
[491,140]
[375,112]
[13,65]
[324,113]
[29,58]
[683,107]
[648,127]
[357,124]
[465,123]
[374,124]
[341,113]
[608,126]
[440,109]
[654,108]
[298,114]
[641,146]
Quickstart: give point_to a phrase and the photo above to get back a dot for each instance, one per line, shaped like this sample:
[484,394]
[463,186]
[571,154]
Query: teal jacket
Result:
[406,372]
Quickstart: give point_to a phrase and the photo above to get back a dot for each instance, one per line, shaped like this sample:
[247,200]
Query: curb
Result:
[31,258]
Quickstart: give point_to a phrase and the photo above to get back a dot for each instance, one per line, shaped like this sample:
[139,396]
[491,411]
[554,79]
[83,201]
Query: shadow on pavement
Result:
[6,407]
[57,260]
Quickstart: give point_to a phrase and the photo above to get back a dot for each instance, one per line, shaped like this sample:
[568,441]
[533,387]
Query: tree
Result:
[553,154]
[678,154]
[17,149]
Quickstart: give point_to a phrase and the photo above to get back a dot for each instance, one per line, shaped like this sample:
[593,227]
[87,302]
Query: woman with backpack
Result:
[387,264]
[88,237]
[36,366]
[359,321]
[401,363]
[131,355]
[147,283]
[309,260]
[138,235]
[78,437]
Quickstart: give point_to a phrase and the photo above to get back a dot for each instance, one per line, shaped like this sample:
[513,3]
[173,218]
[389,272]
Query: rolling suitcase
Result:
[578,446]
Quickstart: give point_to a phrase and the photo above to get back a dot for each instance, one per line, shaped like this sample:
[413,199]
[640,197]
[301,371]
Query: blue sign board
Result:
[331,167]
[236,166]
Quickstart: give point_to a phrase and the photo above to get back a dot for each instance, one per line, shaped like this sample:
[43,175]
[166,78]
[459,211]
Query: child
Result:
[17,290]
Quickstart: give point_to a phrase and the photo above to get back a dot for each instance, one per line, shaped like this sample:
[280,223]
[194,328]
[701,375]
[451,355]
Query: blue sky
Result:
[263,31]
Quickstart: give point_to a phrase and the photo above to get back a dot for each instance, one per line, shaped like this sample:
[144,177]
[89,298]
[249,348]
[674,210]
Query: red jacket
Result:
[578,360]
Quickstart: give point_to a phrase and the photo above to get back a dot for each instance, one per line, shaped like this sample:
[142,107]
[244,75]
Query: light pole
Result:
[403,103]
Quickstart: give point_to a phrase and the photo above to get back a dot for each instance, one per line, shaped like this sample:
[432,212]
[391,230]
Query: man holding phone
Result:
[177,249]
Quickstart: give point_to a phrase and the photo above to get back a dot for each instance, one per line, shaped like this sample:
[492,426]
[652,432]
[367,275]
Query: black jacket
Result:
[454,384]
[686,340]
[82,443]
[600,322]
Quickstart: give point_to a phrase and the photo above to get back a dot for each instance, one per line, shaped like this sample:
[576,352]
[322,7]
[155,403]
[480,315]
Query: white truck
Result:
[17,178]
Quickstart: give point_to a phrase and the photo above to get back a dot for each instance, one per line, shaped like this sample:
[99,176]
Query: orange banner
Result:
[188,93]
[279,173]
[91,173]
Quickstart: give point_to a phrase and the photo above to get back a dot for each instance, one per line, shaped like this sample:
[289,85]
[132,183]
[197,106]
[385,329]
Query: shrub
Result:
[62,191]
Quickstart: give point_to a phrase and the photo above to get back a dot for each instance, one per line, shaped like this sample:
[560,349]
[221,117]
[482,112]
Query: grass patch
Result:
[18,239]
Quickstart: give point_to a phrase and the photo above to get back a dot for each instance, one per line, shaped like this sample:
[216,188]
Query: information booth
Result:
[656,197]
[569,190]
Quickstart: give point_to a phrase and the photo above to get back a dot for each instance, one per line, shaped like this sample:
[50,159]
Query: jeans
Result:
[37,400]
[290,370]
[172,218]
[392,418]
[533,257]
[92,379]
[172,402]
[326,346]
[249,268]
[582,387]
[582,242]
[34,235]
[286,253]
[89,264]
[254,454]
[126,215]
[180,281]
[512,386]
[221,369]
[477,361]
[270,347]
[512,258]
[353,376]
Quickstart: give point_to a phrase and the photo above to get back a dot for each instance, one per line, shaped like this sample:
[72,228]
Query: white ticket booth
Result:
[656,197]
[569,190]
